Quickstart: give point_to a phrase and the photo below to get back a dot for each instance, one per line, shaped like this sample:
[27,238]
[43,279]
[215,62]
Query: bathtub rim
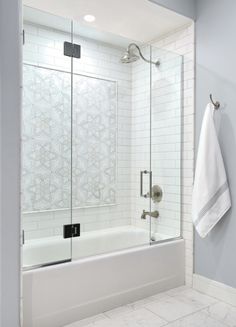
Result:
[136,248]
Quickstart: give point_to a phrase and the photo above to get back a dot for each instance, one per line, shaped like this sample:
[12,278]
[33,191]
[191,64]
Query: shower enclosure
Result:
[101,142]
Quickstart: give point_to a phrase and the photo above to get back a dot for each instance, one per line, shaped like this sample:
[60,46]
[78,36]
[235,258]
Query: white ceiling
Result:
[138,20]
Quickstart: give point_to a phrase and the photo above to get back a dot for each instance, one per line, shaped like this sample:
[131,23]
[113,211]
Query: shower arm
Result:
[157,63]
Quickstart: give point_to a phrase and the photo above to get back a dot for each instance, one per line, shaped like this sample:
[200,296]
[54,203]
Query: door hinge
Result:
[23,237]
[72,230]
[72,50]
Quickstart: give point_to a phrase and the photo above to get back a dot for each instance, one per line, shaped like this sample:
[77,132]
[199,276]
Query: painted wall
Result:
[216,48]
[10,162]
[183,7]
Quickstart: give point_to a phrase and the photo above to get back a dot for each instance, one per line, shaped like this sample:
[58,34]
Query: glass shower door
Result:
[166,143]
[111,146]
[46,139]
[141,174]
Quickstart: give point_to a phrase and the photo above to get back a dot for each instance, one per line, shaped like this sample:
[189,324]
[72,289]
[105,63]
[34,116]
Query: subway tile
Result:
[133,152]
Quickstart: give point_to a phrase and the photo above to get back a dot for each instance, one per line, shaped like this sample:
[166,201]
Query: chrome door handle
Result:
[141,183]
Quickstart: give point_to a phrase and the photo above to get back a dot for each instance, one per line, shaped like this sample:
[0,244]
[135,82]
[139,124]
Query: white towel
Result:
[211,196]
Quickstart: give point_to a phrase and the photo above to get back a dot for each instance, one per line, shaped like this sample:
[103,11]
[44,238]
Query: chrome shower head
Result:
[129,57]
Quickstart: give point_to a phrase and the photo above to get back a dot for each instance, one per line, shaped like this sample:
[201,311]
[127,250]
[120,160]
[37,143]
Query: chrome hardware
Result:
[215,104]
[129,56]
[154,214]
[157,193]
[141,183]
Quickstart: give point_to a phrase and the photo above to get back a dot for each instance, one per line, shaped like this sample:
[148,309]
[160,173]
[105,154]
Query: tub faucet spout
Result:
[154,214]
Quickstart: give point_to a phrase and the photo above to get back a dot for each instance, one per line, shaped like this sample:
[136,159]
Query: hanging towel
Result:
[211,196]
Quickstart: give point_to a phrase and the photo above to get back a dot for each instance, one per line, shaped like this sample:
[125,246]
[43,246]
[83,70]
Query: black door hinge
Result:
[72,50]
[23,237]
[72,230]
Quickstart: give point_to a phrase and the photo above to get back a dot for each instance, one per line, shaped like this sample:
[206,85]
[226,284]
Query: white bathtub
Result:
[58,295]
[54,249]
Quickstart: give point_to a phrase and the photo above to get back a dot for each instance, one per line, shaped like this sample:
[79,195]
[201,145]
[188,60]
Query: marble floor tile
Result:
[198,319]
[118,311]
[195,298]
[150,299]
[141,303]
[171,308]
[223,312]
[88,321]
[136,318]
[177,290]
[180,307]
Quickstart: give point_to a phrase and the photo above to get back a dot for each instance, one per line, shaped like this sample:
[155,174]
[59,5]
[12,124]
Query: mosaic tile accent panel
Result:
[46,141]
[94,141]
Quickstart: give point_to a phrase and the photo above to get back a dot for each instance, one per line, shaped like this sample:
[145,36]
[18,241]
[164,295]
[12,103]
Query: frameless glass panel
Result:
[46,139]
[140,144]
[166,107]
[111,144]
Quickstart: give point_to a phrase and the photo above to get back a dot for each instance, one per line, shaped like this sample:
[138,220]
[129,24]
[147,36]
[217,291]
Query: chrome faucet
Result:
[154,214]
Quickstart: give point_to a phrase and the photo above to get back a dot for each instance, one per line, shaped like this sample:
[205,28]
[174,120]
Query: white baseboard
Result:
[215,289]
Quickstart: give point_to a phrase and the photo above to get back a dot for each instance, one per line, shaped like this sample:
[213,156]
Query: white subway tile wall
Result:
[172,125]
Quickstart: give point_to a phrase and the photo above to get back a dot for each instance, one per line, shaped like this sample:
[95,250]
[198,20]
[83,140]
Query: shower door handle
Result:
[147,195]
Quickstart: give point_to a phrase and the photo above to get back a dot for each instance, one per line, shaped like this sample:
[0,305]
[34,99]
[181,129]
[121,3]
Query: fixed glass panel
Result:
[166,117]
[46,139]
[111,144]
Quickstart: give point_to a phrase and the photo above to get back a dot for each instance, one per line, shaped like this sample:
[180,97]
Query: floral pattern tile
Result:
[47,151]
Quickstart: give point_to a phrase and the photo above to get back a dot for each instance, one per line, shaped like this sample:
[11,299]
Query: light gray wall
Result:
[215,256]
[183,7]
[10,163]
